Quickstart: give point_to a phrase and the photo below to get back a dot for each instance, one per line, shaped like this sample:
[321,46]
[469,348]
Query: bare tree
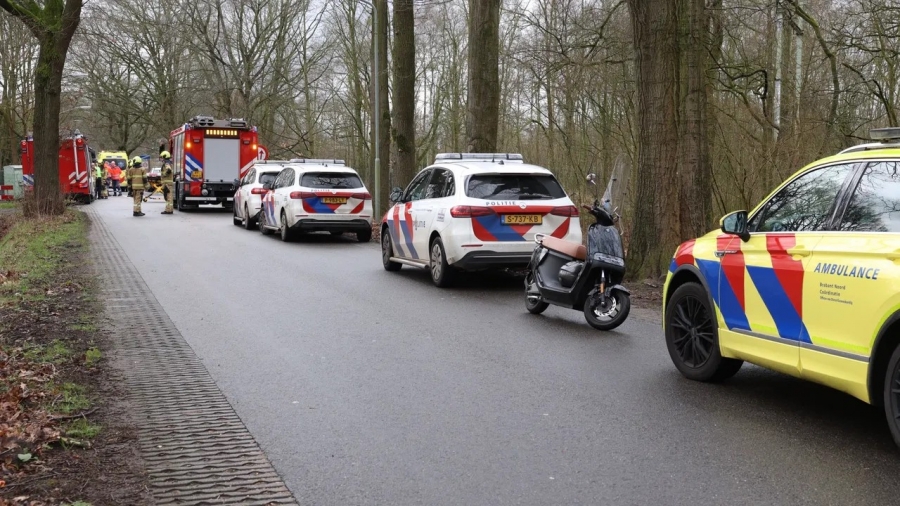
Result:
[404,99]
[484,75]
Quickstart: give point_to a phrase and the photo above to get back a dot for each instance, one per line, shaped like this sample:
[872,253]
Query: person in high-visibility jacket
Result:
[137,180]
[99,174]
[115,178]
[167,178]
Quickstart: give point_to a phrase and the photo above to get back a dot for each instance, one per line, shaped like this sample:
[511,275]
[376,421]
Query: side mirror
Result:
[735,223]
[396,194]
[237,183]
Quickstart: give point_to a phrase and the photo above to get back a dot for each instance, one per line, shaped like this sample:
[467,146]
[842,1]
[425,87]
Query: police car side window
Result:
[875,205]
[805,204]
[250,177]
[437,184]
[416,189]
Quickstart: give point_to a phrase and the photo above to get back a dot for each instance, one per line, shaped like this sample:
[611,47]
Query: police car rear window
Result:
[330,180]
[267,177]
[514,187]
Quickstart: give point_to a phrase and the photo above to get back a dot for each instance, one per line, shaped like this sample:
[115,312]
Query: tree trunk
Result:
[656,186]
[484,75]
[404,64]
[384,143]
[53,25]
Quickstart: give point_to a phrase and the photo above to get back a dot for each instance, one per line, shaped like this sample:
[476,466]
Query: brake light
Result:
[570,211]
[470,211]
[302,195]
[361,196]
[259,191]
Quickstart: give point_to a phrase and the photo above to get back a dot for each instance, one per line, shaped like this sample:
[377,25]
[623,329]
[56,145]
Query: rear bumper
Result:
[313,225]
[492,259]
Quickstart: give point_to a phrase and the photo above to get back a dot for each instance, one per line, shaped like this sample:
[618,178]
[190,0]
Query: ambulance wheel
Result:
[248,221]
[237,221]
[692,336]
[364,236]
[892,395]
[286,234]
[262,224]
[442,273]
[387,251]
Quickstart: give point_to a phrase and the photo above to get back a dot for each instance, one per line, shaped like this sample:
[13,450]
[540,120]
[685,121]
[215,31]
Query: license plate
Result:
[522,219]
[197,174]
[334,200]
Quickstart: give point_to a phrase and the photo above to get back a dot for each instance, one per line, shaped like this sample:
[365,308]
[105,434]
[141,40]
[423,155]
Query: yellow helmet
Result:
[136,161]
[165,154]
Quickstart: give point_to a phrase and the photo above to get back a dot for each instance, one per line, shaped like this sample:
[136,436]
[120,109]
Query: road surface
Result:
[369,387]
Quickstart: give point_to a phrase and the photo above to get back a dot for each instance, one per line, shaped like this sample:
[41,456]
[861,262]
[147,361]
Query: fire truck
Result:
[74,167]
[210,156]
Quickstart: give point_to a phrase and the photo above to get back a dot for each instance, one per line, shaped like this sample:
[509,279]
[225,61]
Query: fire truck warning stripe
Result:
[196,448]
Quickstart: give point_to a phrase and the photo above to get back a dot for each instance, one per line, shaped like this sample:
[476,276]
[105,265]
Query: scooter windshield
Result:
[605,240]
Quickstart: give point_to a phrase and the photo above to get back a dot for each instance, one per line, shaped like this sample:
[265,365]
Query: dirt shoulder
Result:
[65,434]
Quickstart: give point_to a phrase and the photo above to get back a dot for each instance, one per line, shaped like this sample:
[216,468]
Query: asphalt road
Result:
[369,387]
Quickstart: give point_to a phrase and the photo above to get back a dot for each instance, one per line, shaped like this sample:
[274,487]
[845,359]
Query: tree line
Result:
[700,106]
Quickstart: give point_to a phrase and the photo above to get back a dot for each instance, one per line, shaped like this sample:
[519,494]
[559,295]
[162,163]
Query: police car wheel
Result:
[692,336]
[286,233]
[364,236]
[248,221]
[236,220]
[892,395]
[262,225]
[387,251]
[441,271]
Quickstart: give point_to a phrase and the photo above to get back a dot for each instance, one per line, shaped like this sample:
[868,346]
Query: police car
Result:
[312,195]
[472,211]
[250,191]
[807,283]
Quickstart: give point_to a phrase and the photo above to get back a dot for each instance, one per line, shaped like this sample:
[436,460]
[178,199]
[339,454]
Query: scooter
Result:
[567,274]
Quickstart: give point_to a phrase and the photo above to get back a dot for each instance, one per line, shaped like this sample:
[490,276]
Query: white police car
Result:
[311,195]
[474,211]
[250,191]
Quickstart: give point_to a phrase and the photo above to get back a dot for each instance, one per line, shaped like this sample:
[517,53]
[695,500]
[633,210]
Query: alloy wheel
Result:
[693,331]
[436,260]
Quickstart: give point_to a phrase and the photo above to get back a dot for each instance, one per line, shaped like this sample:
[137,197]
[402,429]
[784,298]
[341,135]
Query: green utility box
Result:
[12,175]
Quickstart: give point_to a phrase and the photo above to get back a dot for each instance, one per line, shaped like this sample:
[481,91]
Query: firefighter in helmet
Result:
[137,180]
[167,178]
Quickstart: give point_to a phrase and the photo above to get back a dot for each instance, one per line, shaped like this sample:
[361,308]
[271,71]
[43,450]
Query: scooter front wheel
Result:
[609,313]
[533,302]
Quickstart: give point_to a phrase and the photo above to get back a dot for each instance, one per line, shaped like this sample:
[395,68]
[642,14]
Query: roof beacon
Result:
[319,161]
[885,134]
[478,157]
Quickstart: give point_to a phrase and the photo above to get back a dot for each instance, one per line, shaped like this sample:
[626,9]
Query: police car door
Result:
[283,194]
[853,279]
[405,217]
[425,208]
[762,284]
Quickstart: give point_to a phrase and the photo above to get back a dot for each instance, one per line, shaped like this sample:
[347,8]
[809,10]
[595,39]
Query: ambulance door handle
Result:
[798,252]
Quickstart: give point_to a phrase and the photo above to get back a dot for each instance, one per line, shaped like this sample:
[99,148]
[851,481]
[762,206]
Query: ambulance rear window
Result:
[330,180]
[514,187]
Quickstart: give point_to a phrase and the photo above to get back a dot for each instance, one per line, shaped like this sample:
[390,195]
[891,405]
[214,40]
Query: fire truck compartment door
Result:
[221,159]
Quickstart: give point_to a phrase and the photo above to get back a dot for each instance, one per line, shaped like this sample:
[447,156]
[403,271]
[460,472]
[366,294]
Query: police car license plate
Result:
[197,174]
[334,200]
[522,219]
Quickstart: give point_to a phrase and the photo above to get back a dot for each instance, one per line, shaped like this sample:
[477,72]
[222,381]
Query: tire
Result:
[248,221]
[533,304]
[237,221]
[442,273]
[364,236]
[601,320]
[892,395]
[387,251]
[262,224]
[286,234]
[692,336]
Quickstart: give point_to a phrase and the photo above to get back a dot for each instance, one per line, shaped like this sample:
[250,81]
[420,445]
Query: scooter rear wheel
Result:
[610,317]
[533,303]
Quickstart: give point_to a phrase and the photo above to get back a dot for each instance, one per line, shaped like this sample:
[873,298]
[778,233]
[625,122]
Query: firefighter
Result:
[137,180]
[98,180]
[167,178]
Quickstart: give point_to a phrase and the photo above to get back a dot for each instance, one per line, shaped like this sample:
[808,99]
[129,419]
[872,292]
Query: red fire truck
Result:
[210,156]
[74,166]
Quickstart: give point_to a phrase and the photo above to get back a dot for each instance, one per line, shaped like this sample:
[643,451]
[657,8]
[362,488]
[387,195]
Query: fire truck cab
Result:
[74,166]
[209,155]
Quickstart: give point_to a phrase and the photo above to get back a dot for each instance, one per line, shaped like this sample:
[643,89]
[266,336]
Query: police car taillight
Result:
[361,196]
[570,211]
[259,191]
[470,211]
[302,195]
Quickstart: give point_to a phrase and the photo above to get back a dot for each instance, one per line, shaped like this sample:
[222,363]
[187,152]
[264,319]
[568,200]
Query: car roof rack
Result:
[318,161]
[887,137]
[479,157]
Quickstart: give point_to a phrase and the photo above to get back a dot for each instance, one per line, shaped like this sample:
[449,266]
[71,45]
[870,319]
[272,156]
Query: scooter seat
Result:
[572,249]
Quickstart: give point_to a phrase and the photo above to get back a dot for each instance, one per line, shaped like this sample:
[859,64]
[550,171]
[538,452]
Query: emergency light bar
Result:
[318,161]
[489,157]
[885,134]
[218,132]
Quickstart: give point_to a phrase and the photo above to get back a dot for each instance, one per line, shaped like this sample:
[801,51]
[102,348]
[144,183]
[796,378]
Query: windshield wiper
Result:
[534,196]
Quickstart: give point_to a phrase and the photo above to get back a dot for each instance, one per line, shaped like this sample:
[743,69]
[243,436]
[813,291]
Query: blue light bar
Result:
[885,134]
[318,161]
[479,157]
